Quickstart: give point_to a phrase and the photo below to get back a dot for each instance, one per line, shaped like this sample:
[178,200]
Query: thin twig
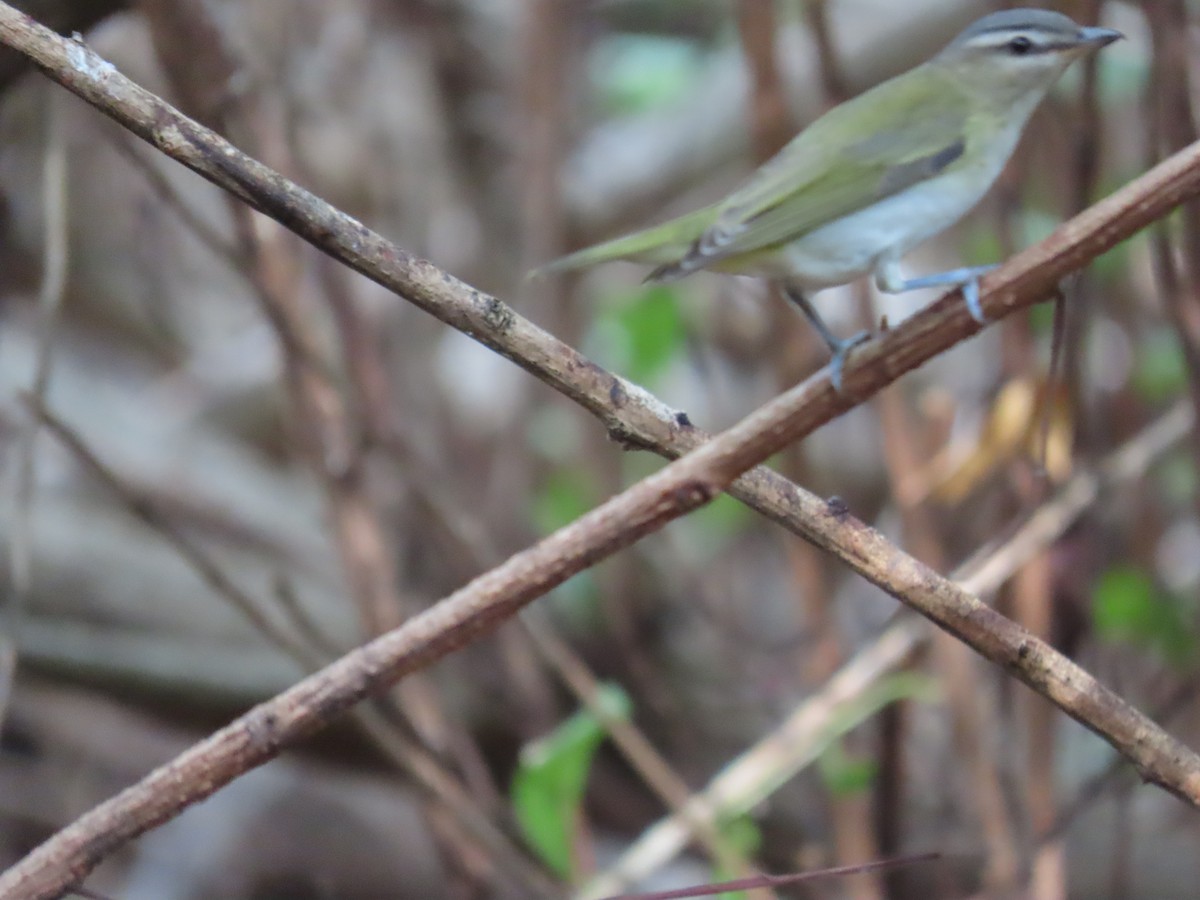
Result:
[754,775]
[860,824]
[217,243]
[177,538]
[779,881]
[633,745]
[759,772]
[202,71]
[833,81]
[970,706]
[427,772]
[1174,126]
[50,297]
[770,121]
[1032,596]
[474,545]
[1117,773]
[630,413]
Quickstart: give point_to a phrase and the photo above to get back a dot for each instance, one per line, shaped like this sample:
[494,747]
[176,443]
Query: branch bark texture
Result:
[630,414]
[65,17]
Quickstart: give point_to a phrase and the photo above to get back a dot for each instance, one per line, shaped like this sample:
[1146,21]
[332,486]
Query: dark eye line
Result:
[1029,46]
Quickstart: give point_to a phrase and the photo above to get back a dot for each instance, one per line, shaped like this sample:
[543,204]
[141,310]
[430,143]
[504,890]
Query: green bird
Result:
[874,177]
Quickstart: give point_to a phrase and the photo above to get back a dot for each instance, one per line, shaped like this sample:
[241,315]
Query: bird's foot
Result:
[970,292]
[841,350]
[966,278]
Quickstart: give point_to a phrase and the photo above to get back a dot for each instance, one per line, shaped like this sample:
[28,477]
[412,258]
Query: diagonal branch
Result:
[495,596]
[629,413]
[796,742]
[65,16]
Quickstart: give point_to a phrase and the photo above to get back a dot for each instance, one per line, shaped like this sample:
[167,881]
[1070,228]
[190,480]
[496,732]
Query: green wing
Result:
[824,174]
[662,244]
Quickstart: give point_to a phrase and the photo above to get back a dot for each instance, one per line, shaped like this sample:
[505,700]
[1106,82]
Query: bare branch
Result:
[626,410]
[50,299]
[65,16]
[629,413]
[751,777]
[421,764]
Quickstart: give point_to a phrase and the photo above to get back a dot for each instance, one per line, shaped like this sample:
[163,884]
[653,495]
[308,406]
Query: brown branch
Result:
[859,822]
[627,411]
[55,264]
[795,743]
[426,771]
[1173,125]
[177,538]
[778,881]
[770,118]
[64,16]
[479,607]
[197,58]
[443,505]
[971,708]
[630,413]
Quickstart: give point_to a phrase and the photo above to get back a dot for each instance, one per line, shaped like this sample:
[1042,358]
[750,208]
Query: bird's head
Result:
[1008,56]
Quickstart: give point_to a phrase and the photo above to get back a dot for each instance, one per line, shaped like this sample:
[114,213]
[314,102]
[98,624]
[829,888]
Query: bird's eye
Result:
[1020,45]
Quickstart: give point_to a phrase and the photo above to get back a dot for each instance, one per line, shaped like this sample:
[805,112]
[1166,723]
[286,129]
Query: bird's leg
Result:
[839,347]
[890,280]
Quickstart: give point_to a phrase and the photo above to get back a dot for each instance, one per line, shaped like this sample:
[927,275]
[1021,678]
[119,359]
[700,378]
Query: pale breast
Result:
[852,246]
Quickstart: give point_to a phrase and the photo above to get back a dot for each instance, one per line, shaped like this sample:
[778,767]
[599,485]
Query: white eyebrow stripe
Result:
[1041,39]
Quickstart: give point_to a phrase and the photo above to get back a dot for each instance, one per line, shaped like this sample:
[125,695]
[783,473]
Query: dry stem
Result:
[629,413]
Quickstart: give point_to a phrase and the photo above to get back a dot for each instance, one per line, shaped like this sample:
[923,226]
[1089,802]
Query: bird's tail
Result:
[661,245]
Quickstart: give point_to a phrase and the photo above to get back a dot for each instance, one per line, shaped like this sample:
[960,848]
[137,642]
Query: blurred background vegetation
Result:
[257,459]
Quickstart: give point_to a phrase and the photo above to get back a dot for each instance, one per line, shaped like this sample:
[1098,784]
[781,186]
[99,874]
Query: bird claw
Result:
[966,278]
[970,292]
[840,352]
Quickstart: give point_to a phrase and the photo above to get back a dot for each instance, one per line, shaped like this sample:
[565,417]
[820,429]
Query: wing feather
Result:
[821,176]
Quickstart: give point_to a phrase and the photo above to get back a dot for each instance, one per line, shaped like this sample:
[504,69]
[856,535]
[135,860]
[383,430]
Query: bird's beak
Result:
[1095,38]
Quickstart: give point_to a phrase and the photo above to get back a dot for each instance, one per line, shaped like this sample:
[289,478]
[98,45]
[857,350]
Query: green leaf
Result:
[843,774]
[548,787]
[724,517]
[901,686]
[1161,371]
[1041,318]
[1122,78]
[846,775]
[649,330]
[743,837]
[564,496]
[635,73]
[1177,479]
[1127,606]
